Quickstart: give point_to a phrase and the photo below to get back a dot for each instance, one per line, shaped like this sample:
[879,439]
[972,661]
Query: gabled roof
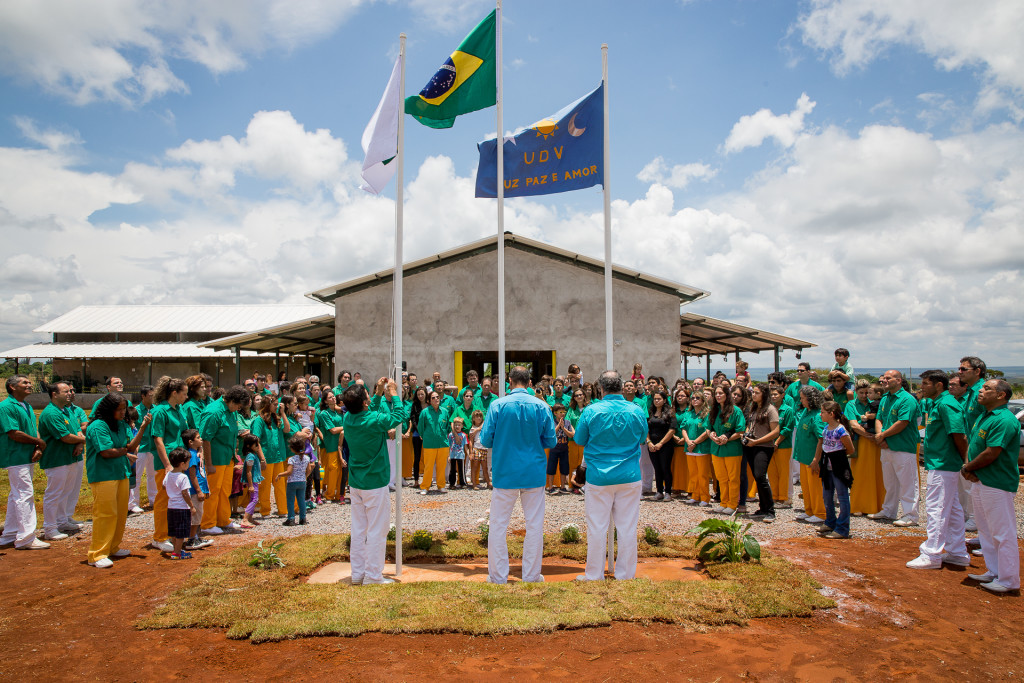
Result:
[685,293]
[178,318]
[701,335]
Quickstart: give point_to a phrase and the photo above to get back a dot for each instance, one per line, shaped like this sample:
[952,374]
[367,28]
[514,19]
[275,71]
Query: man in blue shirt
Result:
[517,429]
[611,432]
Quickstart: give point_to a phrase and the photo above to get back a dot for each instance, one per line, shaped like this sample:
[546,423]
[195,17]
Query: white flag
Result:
[380,139]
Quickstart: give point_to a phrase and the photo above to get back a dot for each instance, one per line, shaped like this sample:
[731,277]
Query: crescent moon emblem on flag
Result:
[573,130]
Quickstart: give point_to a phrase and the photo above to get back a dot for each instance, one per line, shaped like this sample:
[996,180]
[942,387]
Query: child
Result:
[297,470]
[198,488]
[836,389]
[304,413]
[253,454]
[558,456]
[457,454]
[478,459]
[313,479]
[179,503]
[832,463]
[742,368]
[842,365]
[638,373]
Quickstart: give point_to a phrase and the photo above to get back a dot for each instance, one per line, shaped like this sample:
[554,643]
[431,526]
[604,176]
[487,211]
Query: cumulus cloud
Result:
[752,130]
[677,176]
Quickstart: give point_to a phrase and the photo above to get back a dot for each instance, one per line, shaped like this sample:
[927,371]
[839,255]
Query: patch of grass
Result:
[274,605]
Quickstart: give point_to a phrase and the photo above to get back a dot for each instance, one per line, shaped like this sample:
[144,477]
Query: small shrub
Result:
[484,527]
[392,533]
[422,539]
[571,533]
[651,535]
[725,540]
[451,533]
[267,558]
[348,541]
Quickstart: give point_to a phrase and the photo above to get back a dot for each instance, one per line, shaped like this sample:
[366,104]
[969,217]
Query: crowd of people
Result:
[221,460]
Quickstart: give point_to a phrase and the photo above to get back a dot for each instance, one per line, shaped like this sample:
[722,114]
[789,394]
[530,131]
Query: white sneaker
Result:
[728,511]
[879,515]
[801,516]
[978,552]
[956,561]
[996,587]
[904,522]
[234,525]
[213,531]
[704,504]
[814,520]
[423,492]
[922,562]
[356,581]
[164,547]
[136,510]
[970,525]
[444,490]
[121,552]
[377,583]
[54,536]
[69,527]
[102,563]
[984,578]
[36,544]
[75,522]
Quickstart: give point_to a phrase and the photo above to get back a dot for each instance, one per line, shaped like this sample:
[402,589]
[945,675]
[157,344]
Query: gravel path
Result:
[463,508]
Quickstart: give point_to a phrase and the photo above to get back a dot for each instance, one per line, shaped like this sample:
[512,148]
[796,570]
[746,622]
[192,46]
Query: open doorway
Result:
[539,363]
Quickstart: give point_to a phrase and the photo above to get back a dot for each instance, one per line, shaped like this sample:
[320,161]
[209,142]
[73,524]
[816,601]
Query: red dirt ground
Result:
[62,618]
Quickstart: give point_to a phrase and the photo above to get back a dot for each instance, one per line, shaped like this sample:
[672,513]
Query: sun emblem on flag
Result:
[545,128]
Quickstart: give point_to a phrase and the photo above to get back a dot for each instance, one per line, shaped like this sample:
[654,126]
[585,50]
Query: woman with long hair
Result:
[779,479]
[267,428]
[412,432]
[328,423]
[759,446]
[726,425]
[165,433]
[196,401]
[661,446]
[808,429]
[680,466]
[694,437]
[577,404]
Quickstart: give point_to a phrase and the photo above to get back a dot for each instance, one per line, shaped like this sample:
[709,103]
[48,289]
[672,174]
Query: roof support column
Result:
[217,382]
[277,366]
[685,360]
[83,375]
[150,380]
[707,358]
[238,365]
[777,351]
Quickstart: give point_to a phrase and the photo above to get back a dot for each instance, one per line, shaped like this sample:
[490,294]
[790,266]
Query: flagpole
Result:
[397,477]
[609,334]
[501,211]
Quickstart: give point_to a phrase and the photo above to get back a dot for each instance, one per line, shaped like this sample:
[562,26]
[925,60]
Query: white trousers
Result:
[74,491]
[143,464]
[899,475]
[945,524]
[997,530]
[618,503]
[502,503]
[396,476]
[61,487]
[964,488]
[20,525]
[371,510]
[646,469]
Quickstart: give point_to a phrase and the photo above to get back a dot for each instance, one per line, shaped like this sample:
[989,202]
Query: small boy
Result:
[558,456]
[457,454]
[842,365]
[179,503]
[198,489]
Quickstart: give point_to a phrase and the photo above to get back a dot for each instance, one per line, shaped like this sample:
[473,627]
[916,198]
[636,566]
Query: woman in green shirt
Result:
[808,429]
[193,407]
[108,457]
[267,427]
[693,434]
[165,434]
[328,424]
[726,425]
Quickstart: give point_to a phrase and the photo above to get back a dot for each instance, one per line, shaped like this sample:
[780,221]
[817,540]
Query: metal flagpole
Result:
[501,212]
[397,477]
[609,335]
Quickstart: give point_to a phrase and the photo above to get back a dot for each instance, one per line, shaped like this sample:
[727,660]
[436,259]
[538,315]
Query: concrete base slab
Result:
[654,569]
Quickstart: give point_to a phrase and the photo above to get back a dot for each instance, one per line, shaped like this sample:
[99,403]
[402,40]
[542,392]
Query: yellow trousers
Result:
[109,512]
[680,470]
[407,457]
[699,467]
[727,470]
[868,491]
[280,486]
[217,510]
[575,456]
[778,474]
[433,461]
[332,474]
[810,484]
[160,509]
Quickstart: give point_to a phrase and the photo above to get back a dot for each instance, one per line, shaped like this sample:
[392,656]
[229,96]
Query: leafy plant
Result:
[267,558]
[392,533]
[725,540]
[651,535]
[484,527]
[348,541]
[571,533]
[451,533]
[422,539]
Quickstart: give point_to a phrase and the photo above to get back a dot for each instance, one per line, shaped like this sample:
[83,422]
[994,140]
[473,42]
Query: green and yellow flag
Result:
[465,82]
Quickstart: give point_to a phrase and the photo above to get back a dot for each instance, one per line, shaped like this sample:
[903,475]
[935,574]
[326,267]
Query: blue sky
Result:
[845,171]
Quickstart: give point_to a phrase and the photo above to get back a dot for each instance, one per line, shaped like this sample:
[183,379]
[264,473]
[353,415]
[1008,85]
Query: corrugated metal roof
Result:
[686,293]
[75,350]
[179,318]
[701,335]
[315,336]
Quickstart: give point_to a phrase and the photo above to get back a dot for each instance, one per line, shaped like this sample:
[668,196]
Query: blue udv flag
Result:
[560,153]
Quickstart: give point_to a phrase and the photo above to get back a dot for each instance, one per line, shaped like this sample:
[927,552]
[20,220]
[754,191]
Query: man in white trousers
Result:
[944,450]
[611,432]
[20,449]
[992,467]
[897,436]
[517,429]
[144,464]
[369,475]
[64,445]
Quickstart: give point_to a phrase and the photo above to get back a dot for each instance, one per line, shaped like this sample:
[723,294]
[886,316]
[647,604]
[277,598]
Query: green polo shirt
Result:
[565,399]
[943,418]
[997,429]
[893,408]
[92,413]
[694,425]
[168,424]
[54,424]
[16,416]
[191,410]
[433,427]
[325,421]
[99,437]
[244,424]
[484,404]
[466,415]
[787,421]
[366,433]
[972,409]
[724,424]
[146,445]
[793,392]
[270,440]
[219,427]
[808,429]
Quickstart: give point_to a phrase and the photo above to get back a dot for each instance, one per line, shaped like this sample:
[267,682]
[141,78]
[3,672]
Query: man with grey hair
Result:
[517,429]
[611,432]
[971,374]
[20,449]
[896,434]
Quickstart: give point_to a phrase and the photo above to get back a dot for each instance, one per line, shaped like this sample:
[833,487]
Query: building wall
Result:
[549,305]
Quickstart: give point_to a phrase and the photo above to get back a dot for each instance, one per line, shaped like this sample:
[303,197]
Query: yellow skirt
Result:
[868,492]
[680,470]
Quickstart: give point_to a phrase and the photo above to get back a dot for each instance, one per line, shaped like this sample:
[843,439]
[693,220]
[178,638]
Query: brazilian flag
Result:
[465,82]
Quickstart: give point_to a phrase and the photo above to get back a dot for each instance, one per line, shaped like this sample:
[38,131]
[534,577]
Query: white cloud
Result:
[752,130]
[51,138]
[678,176]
